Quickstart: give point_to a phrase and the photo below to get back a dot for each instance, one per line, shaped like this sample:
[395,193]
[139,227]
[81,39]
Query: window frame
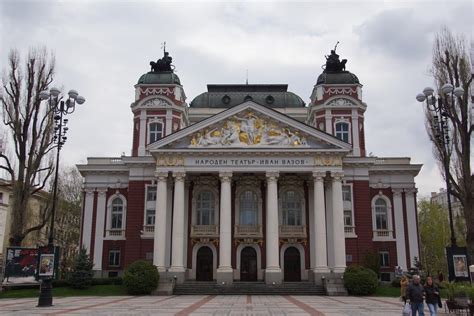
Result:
[109,215]
[155,120]
[211,209]
[284,216]
[383,253]
[201,187]
[347,122]
[117,255]
[390,228]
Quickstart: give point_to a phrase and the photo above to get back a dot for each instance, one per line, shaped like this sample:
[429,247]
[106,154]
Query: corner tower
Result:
[160,105]
[336,104]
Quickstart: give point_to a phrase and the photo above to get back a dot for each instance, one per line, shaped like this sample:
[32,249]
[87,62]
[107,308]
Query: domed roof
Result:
[227,96]
[341,77]
[164,77]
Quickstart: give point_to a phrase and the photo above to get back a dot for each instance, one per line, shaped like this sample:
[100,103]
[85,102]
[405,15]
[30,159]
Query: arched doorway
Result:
[248,264]
[204,266]
[292,265]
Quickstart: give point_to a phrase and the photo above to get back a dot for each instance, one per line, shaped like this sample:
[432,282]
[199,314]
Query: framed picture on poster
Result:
[46,265]
[460,266]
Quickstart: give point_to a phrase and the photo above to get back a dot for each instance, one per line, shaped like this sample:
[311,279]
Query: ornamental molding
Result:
[170,161]
[156,91]
[248,241]
[328,161]
[156,102]
[337,175]
[179,176]
[334,90]
[205,181]
[341,102]
[225,176]
[248,129]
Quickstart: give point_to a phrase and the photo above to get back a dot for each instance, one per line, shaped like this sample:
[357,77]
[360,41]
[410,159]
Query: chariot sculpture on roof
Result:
[333,64]
[163,64]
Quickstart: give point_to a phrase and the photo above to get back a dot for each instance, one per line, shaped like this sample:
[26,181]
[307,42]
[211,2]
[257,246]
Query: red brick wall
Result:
[113,245]
[391,247]
[362,221]
[135,210]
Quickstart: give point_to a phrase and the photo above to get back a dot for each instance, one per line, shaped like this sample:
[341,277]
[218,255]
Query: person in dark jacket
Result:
[415,293]
[431,296]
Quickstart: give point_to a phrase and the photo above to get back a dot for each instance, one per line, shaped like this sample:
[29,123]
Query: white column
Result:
[399,229]
[311,225]
[273,271]
[328,122]
[169,122]
[338,223]
[99,229]
[319,223]
[159,243]
[412,224]
[225,271]
[329,225]
[142,134]
[87,220]
[177,258]
[355,133]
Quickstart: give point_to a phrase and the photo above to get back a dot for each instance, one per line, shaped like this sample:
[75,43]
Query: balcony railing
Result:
[350,230]
[205,231]
[115,233]
[383,234]
[246,231]
[296,231]
[148,229]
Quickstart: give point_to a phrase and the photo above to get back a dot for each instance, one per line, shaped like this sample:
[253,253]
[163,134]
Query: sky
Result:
[103,47]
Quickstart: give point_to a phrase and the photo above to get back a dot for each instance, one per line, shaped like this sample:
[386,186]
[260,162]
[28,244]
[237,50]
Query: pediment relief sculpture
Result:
[248,130]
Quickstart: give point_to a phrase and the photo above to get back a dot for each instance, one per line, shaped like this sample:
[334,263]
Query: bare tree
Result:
[29,125]
[68,218]
[451,64]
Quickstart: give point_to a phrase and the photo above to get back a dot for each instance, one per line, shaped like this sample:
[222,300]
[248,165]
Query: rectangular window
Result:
[346,193]
[116,220]
[381,221]
[347,218]
[114,258]
[384,258]
[150,217]
[151,194]
[1,197]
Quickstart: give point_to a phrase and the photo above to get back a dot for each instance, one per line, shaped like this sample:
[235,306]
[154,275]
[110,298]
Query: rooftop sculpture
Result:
[333,64]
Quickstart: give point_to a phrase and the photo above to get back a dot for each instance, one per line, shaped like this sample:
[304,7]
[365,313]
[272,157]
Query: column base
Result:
[178,274]
[273,276]
[318,275]
[339,270]
[225,276]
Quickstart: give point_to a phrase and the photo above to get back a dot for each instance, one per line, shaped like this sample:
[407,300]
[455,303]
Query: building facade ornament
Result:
[170,161]
[341,102]
[327,160]
[337,91]
[156,91]
[156,102]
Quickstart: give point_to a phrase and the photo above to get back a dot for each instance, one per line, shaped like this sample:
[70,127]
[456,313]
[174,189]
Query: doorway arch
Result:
[248,264]
[292,265]
[204,264]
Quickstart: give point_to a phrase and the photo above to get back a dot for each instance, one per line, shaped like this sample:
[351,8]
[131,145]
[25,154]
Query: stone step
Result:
[253,288]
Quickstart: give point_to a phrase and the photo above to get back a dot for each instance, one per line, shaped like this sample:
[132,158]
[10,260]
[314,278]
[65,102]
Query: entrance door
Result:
[204,264]
[248,264]
[292,265]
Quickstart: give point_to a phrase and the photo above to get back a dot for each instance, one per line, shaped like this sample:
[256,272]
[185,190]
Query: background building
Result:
[249,183]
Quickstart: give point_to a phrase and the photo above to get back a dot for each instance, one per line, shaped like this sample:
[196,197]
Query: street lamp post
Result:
[439,105]
[59,108]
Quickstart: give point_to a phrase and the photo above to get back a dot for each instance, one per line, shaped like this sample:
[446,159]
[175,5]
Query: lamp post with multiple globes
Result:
[60,107]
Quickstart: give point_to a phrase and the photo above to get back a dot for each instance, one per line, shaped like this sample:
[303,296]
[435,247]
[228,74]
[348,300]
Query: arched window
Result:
[291,208]
[342,131]
[248,204]
[116,214]
[205,205]
[381,214]
[155,131]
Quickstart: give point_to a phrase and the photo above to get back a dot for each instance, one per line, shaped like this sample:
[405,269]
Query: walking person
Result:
[415,293]
[403,288]
[431,296]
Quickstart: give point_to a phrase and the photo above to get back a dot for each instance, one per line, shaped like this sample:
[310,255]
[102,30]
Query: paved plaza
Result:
[208,305]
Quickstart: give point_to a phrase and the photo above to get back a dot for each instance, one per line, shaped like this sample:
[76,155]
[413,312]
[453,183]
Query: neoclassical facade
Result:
[248,183]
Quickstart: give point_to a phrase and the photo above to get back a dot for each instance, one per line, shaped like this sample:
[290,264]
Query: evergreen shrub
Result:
[81,275]
[141,277]
[360,281]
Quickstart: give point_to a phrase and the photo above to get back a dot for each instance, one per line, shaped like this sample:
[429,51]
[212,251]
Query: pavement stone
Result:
[200,305]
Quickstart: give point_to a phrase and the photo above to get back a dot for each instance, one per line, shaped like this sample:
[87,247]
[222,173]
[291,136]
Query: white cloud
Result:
[102,48]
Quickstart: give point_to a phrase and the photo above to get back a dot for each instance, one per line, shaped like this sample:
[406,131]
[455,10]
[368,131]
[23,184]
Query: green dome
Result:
[341,77]
[165,77]
[227,96]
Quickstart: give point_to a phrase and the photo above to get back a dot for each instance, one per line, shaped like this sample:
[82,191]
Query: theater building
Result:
[247,182]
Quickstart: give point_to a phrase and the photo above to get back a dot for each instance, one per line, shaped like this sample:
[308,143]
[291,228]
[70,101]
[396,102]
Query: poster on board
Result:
[460,266]
[20,265]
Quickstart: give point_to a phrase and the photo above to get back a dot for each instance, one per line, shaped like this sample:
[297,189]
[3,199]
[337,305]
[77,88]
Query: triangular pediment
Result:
[250,126]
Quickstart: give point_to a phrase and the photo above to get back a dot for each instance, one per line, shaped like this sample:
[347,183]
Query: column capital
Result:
[319,175]
[179,176]
[225,176]
[161,176]
[89,190]
[337,175]
[397,191]
[272,176]
[102,191]
[411,190]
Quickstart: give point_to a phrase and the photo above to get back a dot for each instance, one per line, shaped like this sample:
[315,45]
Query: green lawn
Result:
[389,291]
[96,290]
